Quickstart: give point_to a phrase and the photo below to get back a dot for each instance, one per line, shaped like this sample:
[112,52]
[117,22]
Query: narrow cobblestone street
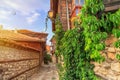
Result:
[47,72]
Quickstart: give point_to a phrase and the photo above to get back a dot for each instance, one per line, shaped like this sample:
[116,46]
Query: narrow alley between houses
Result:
[46,72]
[59,39]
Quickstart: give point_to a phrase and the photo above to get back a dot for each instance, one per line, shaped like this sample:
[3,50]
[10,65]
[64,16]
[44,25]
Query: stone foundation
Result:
[110,68]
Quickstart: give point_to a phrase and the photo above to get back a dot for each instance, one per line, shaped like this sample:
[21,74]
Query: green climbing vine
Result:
[76,63]
[59,33]
[81,45]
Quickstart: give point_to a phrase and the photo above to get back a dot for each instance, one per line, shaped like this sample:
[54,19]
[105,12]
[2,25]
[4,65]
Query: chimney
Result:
[15,31]
[1,27]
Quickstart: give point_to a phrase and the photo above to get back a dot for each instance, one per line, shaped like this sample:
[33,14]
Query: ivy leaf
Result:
[118,56]
[104,35]
[117,44]
[94,54]
[116,32]
[93,28]
[100,47]
[87,48]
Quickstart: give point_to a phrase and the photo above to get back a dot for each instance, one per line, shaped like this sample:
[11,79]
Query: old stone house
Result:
[20,54]
[67,10]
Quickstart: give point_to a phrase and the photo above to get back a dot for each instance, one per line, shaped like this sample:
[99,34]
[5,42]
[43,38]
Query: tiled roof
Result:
[11,35]
[28,31]
[33,34]
[16,44]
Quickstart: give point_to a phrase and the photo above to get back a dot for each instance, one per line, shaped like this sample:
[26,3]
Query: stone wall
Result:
[18,63]
[110,68]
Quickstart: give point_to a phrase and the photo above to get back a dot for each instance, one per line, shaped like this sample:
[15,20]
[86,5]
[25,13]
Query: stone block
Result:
[102,71]
[117,49]
[111,72]
[111,77]
[95,63]
[96,68]
[111,49]
[106,65]
[115,67]
[118,77]
[111,55]
[1,74]
[104,55]
[1,71]
[110,40]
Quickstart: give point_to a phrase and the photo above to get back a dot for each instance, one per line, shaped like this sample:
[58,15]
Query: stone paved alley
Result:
[47,72]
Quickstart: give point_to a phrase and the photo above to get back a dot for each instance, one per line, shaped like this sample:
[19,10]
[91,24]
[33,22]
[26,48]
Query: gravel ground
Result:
[47,72]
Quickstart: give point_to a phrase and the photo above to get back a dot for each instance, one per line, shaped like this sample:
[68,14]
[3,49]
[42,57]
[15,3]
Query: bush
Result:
[47,58]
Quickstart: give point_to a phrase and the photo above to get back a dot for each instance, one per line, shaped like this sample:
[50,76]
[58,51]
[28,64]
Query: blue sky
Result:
[25,14]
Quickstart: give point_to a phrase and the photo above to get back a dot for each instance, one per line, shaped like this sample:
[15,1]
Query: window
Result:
[77,11]
[79,2]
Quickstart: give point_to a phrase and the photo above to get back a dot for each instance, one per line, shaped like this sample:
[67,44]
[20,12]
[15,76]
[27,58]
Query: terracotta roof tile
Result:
[18,44]
[11,35]
[41,35]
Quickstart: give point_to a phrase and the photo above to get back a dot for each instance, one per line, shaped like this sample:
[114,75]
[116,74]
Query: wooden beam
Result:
[110,1]
[23,72]
[11,61]
[112,8]
[111,5]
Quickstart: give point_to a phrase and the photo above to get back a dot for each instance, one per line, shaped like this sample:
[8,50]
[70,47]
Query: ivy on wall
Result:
[59,33]
[83,44]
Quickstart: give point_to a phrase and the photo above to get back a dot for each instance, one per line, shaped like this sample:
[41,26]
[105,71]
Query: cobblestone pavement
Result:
[47,72]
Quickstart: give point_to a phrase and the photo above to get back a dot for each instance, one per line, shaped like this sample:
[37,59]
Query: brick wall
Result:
[63,14]
[18,62]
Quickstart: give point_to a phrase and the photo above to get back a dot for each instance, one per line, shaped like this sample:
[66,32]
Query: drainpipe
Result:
[68,24]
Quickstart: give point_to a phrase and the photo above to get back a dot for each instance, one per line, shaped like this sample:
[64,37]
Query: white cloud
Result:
[4,14]
[24,7]
[22,12]
[33,18]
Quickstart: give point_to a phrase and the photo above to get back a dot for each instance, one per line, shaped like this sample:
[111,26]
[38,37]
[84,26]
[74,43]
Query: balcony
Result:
[111,5]
[76,6]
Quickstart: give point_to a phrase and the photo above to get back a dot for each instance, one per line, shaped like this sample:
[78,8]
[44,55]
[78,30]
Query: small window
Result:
[79,2]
